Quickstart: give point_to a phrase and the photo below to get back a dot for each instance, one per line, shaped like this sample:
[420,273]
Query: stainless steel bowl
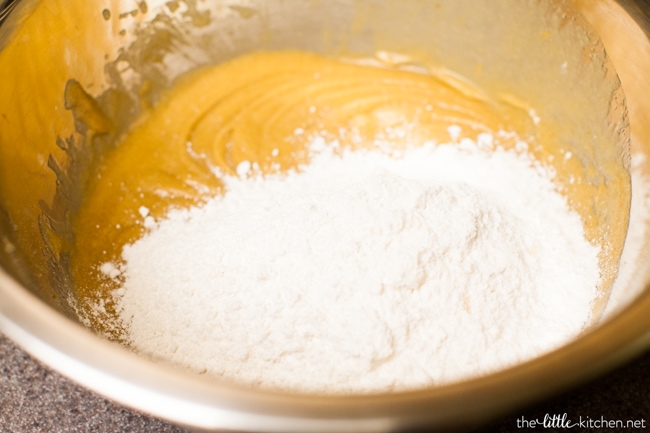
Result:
[109,51]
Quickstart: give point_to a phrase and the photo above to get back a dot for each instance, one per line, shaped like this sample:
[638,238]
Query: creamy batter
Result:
[263,109]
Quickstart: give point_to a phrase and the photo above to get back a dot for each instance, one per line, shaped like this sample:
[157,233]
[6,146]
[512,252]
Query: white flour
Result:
[363,272]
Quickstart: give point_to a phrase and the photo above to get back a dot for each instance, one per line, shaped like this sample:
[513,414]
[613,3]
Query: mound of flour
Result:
[363,272]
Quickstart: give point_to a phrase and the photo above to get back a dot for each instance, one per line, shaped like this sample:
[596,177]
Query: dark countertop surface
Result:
[33,398]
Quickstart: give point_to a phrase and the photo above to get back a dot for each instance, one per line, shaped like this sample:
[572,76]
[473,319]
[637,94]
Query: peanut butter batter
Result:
[266,108]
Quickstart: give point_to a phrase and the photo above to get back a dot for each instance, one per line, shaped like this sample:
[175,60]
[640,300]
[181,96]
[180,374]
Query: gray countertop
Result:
[33,398]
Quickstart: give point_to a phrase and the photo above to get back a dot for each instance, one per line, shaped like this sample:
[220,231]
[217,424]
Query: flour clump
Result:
[363,272]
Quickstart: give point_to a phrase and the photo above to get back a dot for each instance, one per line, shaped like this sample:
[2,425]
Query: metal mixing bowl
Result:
[118,53]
